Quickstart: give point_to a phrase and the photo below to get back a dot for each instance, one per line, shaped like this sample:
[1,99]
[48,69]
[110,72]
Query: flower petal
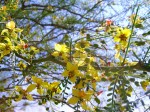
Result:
[73,100]
[31,87]
[10,25]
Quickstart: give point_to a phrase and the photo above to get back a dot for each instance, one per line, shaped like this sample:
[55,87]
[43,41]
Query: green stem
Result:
[70,48]
[112,103]
[146,53]
[130,35]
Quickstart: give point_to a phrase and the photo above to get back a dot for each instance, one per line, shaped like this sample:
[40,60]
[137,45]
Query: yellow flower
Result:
[54,88]
[79,57]
[129,90]
[137,21]
[21,46]
[92,76]
[24,93]
[81,45]
[21,65]
[144,84]
[71,72]
[61,50]
[7,48]
[80,85]
[5,40]
[39,83]
[122,36]
[91,69]
[4,8]
[2,46]
[34,50]
[80,96]
[11,31]
[10,25]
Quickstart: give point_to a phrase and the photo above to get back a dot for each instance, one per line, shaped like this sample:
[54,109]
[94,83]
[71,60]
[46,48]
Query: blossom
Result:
[71,72]
[144,84]
[38,84]
[24,93]
[122,36]
[10,30]
[34,50]
[21,65]
[4,8]
[81,45]
[6,48]
[53,88]
[81,84]
[10,25]
[81,96]
[79,57]
[108,22]
[61,50]
[21,46]
[137,21]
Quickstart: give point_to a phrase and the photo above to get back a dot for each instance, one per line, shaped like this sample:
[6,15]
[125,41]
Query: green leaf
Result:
[88,38]
[103,42]
[132,79]
[109,100]
[142,102]
[110,89]
[145,34]
[136,83]
[87,50]
[97,100]
[139,26]
[139,43]
[96,46]
[109,94]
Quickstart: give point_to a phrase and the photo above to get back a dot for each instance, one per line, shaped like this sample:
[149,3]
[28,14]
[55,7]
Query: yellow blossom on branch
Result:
[61,48]
[137,21]
[24,92]
[81,45]
[11,31]
[10,25]
[122,36]
[72,72]
[144,84]
[21,65]
[79,57]
[53,88]
[34,50]
[61,51]
[38,82]
[82,97]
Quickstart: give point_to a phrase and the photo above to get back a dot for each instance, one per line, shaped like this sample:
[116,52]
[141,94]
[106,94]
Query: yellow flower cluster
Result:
[8,38]
[87,78]
[11,42]
[41,86]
